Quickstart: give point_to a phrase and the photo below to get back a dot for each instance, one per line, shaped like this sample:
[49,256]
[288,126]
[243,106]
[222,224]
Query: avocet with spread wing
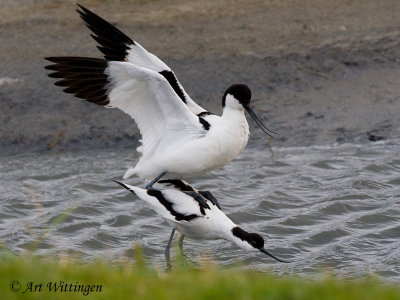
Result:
[180,139]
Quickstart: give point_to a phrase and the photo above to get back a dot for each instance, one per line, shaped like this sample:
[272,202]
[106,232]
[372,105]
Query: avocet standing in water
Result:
[186,215]
[180,139]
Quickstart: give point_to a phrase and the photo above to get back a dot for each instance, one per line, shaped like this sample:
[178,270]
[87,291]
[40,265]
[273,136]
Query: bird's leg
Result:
[149,186]
[209,196]
[181,244]
[182,259]
[166,251]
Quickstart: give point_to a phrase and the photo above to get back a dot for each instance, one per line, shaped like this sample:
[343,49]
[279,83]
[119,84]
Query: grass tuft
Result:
[127,280]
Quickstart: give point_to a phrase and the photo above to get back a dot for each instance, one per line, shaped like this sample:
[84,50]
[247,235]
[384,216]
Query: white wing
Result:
[148,98]
[116,46]
[139,56]
[170,204]
[142,93]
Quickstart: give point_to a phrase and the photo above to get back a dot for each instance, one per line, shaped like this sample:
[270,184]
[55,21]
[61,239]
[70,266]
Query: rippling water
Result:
[331,208]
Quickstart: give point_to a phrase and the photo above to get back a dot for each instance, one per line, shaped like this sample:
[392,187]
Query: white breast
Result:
[225,139]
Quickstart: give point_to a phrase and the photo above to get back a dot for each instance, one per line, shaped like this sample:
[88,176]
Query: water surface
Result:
[332,208]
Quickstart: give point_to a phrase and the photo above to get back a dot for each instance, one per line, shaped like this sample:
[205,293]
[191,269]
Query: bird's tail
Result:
[144,195]
[130,188]
[141,193]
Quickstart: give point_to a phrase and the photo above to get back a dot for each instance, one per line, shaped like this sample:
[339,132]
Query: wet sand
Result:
[321,72]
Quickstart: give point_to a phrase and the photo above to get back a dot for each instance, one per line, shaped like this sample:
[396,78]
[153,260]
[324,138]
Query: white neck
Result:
[230,112]
[232,107]
[233,110]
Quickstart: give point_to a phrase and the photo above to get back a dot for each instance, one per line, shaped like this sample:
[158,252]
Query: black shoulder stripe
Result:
[188,190]
[168,205]
[178,184]
[171,78]
[205,124]
[114,44]
[81,76]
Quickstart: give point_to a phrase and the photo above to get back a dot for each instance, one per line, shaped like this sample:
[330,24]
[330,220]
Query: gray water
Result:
[332,208]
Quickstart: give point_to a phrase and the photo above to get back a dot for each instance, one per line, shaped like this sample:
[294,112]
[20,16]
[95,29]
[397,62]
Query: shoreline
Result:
[317,77]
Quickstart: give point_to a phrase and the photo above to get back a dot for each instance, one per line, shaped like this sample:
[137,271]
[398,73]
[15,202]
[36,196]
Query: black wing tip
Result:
[69,60]
[53,59]
[83,77]
[115,42]
[85,10]
[124,186]
[57,59]
[121,184]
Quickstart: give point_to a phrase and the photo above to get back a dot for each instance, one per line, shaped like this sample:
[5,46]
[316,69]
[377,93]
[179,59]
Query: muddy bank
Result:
[321,71]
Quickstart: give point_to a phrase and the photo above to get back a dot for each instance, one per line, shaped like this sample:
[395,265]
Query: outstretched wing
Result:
[143,94]
[116,46]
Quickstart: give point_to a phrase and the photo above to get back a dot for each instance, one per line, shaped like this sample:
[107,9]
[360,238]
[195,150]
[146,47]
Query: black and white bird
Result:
[180,139]
[186,215]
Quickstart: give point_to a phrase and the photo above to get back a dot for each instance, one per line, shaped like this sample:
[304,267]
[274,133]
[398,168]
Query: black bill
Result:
[274,257]
[257,120]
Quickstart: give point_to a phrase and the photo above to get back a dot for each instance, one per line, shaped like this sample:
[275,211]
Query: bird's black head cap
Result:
[241,92]
[254,239]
